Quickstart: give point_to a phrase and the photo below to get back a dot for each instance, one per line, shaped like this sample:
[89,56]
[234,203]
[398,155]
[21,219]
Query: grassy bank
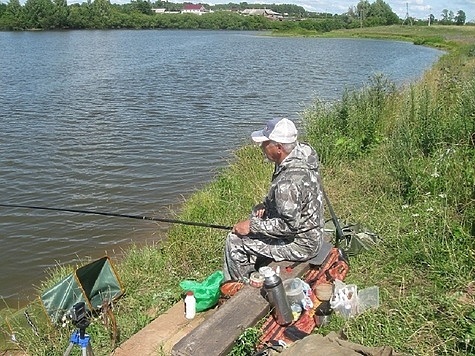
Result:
[403,162]
[399,160]
[444,37]
[435,36]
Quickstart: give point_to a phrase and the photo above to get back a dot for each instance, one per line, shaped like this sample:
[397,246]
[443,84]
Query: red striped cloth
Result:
[334,267]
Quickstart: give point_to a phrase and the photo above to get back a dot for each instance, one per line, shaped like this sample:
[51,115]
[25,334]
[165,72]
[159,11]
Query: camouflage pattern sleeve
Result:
[294,204]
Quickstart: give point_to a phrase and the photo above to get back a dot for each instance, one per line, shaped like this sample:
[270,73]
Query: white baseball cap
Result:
[280,130]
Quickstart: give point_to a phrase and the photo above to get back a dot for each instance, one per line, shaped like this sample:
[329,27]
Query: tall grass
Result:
[351,127]
[416,177]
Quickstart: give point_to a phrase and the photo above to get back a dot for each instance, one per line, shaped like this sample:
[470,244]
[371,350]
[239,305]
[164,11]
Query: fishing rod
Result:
[339,231]
[138,217]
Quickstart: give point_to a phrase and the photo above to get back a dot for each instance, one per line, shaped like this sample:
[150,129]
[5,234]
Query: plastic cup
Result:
[296,311]
[294,291]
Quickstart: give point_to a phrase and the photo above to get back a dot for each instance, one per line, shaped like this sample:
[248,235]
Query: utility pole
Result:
[407,15]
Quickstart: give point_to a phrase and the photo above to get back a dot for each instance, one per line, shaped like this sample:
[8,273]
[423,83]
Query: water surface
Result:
[132,122]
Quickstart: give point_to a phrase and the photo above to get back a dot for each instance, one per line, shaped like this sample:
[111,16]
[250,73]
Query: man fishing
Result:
[288,224]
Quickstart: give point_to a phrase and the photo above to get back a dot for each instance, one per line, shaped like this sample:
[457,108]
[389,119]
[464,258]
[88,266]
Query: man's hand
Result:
[259,210]
[260,213]
[242,228]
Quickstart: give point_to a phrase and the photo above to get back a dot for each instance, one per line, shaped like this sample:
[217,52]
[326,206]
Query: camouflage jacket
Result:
[294,203]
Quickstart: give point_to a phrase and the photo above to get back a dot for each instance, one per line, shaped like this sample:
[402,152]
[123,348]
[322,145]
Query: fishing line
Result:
[138,217]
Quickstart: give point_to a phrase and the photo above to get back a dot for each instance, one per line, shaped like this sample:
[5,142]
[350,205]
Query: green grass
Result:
[400,161]
[445,37]
[404,163]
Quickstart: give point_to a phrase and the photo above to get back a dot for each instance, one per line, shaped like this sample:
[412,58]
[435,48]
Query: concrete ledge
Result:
[161,334]
[216,334]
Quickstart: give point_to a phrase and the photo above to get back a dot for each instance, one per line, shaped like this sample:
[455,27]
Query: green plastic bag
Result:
[207,292]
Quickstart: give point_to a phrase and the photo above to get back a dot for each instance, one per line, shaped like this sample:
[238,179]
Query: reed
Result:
[415,184]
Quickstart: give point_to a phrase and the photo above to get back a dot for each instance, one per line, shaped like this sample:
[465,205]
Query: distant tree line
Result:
[448,18]
[139,14]
[379,13]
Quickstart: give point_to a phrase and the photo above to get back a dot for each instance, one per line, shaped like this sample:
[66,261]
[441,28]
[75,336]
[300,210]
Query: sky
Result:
[419,9]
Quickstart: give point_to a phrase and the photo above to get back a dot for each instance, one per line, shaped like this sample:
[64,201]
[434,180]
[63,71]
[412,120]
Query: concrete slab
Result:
[161,334]
[210,333]
[216,335]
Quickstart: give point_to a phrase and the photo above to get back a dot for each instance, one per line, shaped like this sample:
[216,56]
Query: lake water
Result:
[132,122]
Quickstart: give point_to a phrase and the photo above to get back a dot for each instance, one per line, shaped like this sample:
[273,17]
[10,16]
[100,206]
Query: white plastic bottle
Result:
[190,305]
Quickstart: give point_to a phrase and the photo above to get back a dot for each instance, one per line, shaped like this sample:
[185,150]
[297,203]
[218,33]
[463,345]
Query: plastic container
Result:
[321,320]
[323,314]
[190,305]
[277,298]
[256,280]
[324,291]
[351,291]
[368,298]
[345,300]
[294,291]
[296,311]
[346,311]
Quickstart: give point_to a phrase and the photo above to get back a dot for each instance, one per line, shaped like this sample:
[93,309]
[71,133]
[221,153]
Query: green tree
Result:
[451,16]
[60,14]
[120,19]
[167,5]
[460,18]
[14,16]
[142,6]
[381,14]
[223,20]
[444,16]
[290,10]
[78,17]
[100,14]
[3,8]
[365,14]
[39,14]
[139,20]
[447,17]
[257,23]
[352,18]
[362,10]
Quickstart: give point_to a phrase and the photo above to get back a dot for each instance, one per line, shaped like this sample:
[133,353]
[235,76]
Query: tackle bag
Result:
[356,237]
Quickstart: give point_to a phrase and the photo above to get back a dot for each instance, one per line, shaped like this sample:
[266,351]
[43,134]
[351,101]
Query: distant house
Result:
[194,9]
[262,12]
[159,11]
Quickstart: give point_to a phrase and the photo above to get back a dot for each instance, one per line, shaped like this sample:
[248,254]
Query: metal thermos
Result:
[277,298]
